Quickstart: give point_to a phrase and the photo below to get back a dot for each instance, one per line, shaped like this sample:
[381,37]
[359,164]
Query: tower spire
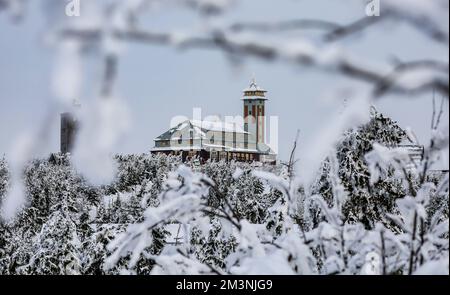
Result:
[253,81]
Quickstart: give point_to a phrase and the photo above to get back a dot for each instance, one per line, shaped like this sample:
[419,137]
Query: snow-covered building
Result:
[218,140]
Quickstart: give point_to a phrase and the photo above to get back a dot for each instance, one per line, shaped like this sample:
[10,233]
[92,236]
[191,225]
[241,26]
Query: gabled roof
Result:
[201,127]
[218,126]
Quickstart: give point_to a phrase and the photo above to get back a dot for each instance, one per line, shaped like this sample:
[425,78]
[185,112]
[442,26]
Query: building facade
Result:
[218,140]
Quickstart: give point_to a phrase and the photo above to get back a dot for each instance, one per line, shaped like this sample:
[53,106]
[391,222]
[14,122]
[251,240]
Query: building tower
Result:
[69,128]
[255,112]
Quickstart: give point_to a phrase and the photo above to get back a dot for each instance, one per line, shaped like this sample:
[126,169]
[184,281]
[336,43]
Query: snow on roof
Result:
[254,87]
[265,150]
[217,126]
[200,126]
[255,97]
[254,92]
[175,148]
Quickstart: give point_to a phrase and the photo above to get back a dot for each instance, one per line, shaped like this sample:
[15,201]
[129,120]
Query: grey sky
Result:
[161,82]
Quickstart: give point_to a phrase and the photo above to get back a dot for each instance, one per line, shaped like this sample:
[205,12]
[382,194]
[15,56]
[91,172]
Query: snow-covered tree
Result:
[57,246]
[213,246]
[367,202]
[286,240]
[366,214]
[4,177]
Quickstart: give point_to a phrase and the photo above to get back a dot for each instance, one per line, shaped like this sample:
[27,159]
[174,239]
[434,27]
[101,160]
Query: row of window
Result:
[219,155]
[211,141]
[241,156]
[255,110]
[232,156]
[254,93]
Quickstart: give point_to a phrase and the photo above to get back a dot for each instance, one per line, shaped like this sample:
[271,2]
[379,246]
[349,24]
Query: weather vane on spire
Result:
[253,82]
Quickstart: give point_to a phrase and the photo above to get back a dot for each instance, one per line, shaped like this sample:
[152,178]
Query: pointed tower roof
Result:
[253,91]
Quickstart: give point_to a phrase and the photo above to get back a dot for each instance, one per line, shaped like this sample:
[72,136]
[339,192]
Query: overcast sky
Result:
[160,82]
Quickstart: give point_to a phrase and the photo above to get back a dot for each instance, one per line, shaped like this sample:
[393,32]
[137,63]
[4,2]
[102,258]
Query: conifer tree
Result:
[367,203]
[57,247]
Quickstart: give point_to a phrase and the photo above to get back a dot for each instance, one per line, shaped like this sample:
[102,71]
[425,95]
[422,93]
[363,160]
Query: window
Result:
[180,139]
[163,144]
